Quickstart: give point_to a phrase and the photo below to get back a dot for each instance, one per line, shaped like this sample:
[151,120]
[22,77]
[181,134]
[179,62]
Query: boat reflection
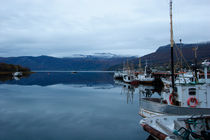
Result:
[144,91]
[127,89]
[67,78]
[9,77]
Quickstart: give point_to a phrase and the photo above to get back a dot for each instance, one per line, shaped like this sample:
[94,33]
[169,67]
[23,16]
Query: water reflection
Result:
[147,91]
[9,77]
[142,90]
[52,106]
[128,90]
[53,78]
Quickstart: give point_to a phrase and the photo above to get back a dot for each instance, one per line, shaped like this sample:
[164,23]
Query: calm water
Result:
[66,106]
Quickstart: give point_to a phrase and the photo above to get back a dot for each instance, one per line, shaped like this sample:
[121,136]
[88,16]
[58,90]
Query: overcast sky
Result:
[62,28]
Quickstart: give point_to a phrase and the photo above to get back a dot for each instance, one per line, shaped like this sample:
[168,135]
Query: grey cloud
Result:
[67,27]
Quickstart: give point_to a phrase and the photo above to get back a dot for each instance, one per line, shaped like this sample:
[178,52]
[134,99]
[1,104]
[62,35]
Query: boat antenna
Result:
[139,64]
[181,55]
[195,51]
[145,68]
[128,67]
[172,45]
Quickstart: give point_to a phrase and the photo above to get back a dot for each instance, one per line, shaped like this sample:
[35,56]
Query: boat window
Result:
[128,78]
[192,91]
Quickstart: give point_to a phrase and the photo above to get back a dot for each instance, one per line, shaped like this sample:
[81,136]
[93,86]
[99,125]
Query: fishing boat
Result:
[144,78]
[190,98]
[184,77]
[181,100]
[128,73]
[187,78]
[118,75]
[182,97]
[178,127]
[128,77]
[17,74]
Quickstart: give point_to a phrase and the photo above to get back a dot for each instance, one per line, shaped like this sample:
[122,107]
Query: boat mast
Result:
[195,67]
[139,64]
[181,55]
[128,67]
[145,69]
[172,45]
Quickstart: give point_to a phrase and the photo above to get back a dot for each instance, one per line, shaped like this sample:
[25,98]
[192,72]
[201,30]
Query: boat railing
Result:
[155,105]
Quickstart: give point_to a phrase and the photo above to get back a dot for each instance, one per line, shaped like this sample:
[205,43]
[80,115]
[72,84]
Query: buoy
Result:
[192,100]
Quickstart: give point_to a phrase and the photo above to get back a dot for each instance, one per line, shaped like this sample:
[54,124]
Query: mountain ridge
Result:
[108,61]
[53,63]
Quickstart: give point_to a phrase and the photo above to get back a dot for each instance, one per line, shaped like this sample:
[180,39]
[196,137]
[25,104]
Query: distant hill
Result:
[79,62]
[7,70]
[162,54]
[161,57]
[107,61]
[12,68]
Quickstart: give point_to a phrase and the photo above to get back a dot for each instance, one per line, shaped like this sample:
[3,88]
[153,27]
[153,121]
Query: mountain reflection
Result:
[53,78]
